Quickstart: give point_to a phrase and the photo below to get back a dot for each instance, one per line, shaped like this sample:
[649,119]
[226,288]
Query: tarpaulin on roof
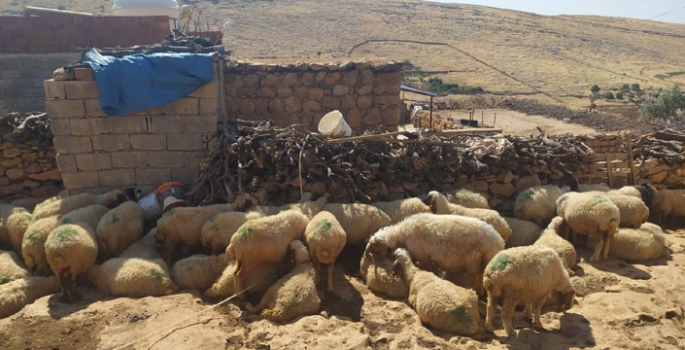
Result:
[141,81]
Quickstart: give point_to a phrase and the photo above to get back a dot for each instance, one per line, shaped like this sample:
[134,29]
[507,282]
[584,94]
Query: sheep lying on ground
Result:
[538,203]
[590,214]
[452,243]
[439,205]
[669,203]
[13,224]
[439,303]
[523,232]
[264,240]
[33,244]
[132,277]
[19,293]
[467,198]
[145,248]
[71,250]
[216,233]
[525,275]
[402,208]
[119,228]
[325,240]
[89,215]
[358,220]
[11,267]
[379,279]
[62,205]
[257,278]
[637,245]
[552,237]
[198,271]
[294,294]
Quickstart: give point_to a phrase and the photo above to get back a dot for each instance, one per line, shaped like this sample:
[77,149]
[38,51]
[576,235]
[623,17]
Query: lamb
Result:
[62,205]
[11,267]
[467,198]
[439,205]
[523,232]
[145,248]
[552,237]
[380,279]
[19,293]
[33,245]
[132,277]
[538,203]
[669,203]
[258,277]
[119,228]
[637,245]
[183,226]
[216,233]
[71,250]
[294,294]
[264,240]
[632,211]
[590,214]
[452,243]
[325,239]
[198,271]
[439,303]
[89,215]
[400,209]
[13,224]
[358,220]
[525,275]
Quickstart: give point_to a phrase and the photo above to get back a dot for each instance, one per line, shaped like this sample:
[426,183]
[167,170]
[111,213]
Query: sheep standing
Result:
[325,239]
[523,232]
[306,206]
[89,215]
[632,211]
[13,224]
[358,220]
[19,293]
[216,233]
[590,214]
[669,203]
[438,302]
[452,243]
[439,205]
[11,267]
[33,244]
[62,205]
[198,271]
[380,279]
[637,245]
[467,198]
[552,237]
[525,275]
[71,250]
[146,248]
[132,277]
[257,277]
[119,228]
[538,204]
[294,294]
[400,209]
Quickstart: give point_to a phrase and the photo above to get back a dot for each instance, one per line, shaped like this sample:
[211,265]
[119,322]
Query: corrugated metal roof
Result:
[420,92]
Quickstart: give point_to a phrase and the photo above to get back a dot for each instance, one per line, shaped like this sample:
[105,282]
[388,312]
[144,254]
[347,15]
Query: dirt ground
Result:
[619,306]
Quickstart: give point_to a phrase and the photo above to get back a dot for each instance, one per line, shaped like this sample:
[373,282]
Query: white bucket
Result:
[333,123]
[150,206]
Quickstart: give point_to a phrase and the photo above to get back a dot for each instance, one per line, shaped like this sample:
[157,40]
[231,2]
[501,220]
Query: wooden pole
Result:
[494,121]
[431,114]
[610,173]
[629,145]
[481,118]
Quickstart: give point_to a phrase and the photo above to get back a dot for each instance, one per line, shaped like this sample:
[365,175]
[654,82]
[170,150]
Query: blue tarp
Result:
[141,81]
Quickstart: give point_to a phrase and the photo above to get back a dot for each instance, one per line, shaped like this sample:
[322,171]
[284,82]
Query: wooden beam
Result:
[42,11]
[669,136]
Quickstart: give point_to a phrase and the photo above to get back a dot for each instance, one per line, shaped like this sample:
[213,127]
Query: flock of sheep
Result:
[441,251]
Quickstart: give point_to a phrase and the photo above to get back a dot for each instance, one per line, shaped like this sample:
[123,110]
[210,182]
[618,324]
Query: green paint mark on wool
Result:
[325,225]
[383,214]
[599,198]
[157,275]
[169,213]
[499,263]
[65,221]
[4,279]
[65,233]
[115,218]
[461,315]
[292,302]
[33,235]
[244,229]
[286,207]
[212,220]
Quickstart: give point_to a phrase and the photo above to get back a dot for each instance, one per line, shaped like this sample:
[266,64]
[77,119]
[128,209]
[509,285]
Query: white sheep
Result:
[19,293]
[538,203]
[325,240]
[62,205]
[264,240]
[593,188]
[198,271]
[380,279]
[637,245]
[590,214]
[552,237]
[306,206]
[632,210]
[33,244]
[146,248]
[13,224]
[438,302]
[452,243]
[669,203]
[467,198]
[400,209]
[439,205]
[132,277]
[523,232]
[11,267]
[294,294]
[525,275]
[119,228]
[89,215]
[358,220]
[258,277]
[216,233]
[71,250]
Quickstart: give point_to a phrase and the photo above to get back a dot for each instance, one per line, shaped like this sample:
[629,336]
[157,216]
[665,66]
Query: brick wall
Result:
[27,169]
[96,153]
[367,94]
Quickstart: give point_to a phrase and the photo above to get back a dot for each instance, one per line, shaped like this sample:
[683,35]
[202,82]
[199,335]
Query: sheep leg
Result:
[475,273]
[507,313]
[490,313]
[64,283]
[537,309]
[74,294]
[605,248]
[238,284]
[598,249]
[528,312]
[330,276]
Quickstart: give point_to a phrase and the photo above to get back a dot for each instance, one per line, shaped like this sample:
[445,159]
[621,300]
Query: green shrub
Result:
[664,104]
[635,87]
[619,95]
[608,95]
[595,88]
[625,88]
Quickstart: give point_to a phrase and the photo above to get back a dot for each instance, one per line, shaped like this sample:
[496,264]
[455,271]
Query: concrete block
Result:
[92,126]
[185,176]
[152,176]
[165,159]
[152,142]
[54,89]
[192,159]
[60,127]
[81,89]
[111,143]
[94,161]
[9,62]
[81,179]
[117,177]
[66,163]
[129,160]
[10,74]
[166,124]
[149,112]
[210,90]
[186,106]
[47,62]
[208,106]
[37,73]
[23,83]
[127,125]
[30,104]
[72,144]
[206,124]
[25,92]
[65,108]
[84,74]
[184,142]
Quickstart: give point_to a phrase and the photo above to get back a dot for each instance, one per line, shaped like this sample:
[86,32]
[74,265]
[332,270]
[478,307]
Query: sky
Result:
[658,10]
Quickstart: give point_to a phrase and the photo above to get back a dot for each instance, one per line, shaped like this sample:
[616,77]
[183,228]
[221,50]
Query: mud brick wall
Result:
[367,94]
[96,153]
[28,169]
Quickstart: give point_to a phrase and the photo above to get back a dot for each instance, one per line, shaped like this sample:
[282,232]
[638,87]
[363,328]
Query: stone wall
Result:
[367,94]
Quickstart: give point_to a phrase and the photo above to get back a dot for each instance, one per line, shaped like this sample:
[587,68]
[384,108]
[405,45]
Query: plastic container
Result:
[150,205]
[171,195]
[334,124]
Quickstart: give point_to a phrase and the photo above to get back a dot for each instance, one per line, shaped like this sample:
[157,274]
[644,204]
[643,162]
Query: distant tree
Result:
[609,95]
[665,104]
[625,88]
[595,88]
[61,7]
[631,95]
[619,95]
[635,87]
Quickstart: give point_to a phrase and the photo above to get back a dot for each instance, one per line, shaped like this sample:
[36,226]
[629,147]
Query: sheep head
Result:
[376,249]
[297,253]
[565,299]
[112,199]
[402,258]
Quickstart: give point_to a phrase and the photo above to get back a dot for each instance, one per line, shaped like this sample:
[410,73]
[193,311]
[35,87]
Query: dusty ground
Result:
[620,306]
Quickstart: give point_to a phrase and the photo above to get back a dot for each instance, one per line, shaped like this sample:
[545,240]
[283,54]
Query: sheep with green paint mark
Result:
[527,275]
[632,210]
[119,228]
[11,267]
[61,205]
[538,203]
[71,250]
[401,209]
[89,215]
[33,245]
[293,295]
[325,239]
[438,302]
[552,237]
[146,248]
[217,231]
[13,224]
[132,277]
[358,220]
[258,277]
[379,278]
[198,271]
[467,198]
[306,206]
[19,293]
[523,232]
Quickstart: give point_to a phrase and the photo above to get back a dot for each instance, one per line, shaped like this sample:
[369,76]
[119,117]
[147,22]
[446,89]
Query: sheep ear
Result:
[393,268]
[430,201]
